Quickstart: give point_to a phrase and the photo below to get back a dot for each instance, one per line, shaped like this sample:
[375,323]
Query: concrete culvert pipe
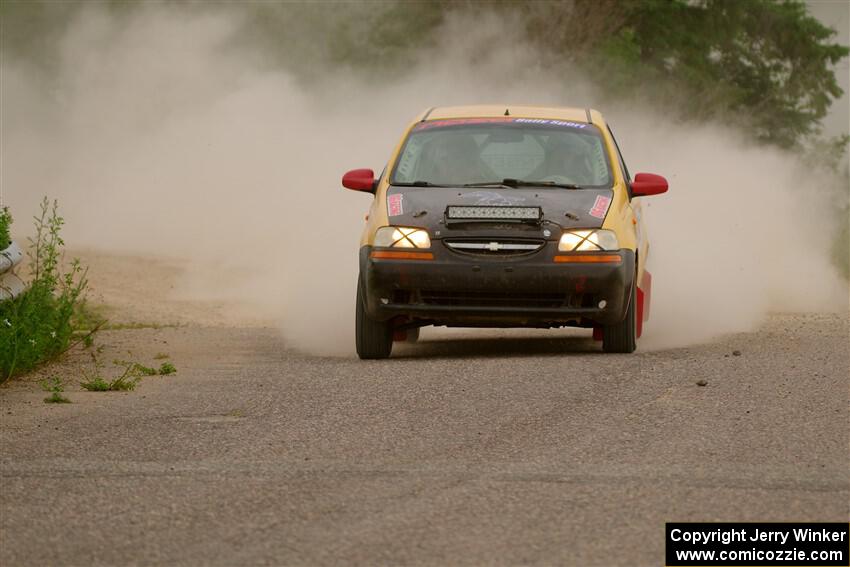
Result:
[10,284]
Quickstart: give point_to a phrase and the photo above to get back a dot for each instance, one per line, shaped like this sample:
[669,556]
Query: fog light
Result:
[602,304]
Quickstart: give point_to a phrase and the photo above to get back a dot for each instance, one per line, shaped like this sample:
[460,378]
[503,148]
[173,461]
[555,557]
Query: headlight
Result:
[402,237]
[588,241]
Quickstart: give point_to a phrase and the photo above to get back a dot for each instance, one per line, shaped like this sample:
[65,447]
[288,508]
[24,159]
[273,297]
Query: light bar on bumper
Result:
[455,212]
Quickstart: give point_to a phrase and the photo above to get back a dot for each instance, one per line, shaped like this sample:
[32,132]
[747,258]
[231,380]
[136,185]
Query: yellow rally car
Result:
[504,216]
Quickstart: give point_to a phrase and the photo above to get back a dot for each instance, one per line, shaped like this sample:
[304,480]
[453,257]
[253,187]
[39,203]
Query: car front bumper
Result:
[476,290]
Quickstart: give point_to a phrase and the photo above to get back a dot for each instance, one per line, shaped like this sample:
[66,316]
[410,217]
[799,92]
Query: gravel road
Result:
[469,448]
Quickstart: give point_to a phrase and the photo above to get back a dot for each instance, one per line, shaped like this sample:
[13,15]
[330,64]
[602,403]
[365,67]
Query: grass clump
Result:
[96,384]
[126,381]
[167,368]
[55,386]
[39,325]
[145,370]
[136,368]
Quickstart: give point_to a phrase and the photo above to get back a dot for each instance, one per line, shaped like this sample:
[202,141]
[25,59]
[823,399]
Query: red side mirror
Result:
[646,184]
[360,180]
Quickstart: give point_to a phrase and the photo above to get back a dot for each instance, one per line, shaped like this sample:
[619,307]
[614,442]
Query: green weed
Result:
[145,370]
[5,227]
[125,382]
[128,380]
[167,368]
[95,384]
[55,386]
[39,325]
[136,368]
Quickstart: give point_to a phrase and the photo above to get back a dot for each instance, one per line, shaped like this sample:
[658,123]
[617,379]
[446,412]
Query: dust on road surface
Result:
[499,447]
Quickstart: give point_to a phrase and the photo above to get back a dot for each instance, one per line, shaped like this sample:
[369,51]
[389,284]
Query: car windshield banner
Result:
[499,120]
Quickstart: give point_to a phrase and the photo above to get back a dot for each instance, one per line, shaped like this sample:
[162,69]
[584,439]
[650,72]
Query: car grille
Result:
[493,299]
[495,247]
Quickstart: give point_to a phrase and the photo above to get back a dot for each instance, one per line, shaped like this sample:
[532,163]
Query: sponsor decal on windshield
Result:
[547,122]
[394,204]
[600,206]
[497,120]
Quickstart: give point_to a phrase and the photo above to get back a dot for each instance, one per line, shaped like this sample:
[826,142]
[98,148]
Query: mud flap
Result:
[644,295]
[399,335]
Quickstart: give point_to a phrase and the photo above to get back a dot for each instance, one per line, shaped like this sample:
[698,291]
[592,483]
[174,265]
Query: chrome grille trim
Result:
[494,246]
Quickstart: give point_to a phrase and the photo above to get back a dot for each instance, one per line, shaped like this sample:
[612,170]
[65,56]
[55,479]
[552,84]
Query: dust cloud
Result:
[161,135]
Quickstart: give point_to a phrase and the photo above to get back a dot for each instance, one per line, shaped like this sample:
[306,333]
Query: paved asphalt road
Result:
[509,450]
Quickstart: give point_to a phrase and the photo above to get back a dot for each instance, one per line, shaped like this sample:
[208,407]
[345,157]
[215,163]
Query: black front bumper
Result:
[471,290]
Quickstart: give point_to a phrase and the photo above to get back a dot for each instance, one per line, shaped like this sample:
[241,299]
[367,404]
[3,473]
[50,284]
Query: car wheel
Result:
[374,339]
[622,337]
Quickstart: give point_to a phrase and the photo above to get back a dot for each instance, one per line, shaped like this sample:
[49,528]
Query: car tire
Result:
[374,339]
[622,337]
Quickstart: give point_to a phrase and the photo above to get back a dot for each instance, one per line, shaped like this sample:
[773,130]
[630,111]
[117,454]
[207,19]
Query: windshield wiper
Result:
[514,183]
[419,184]
[503,183]
[524,183]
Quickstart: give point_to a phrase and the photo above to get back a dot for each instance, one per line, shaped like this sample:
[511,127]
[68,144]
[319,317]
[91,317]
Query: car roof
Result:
[522,111]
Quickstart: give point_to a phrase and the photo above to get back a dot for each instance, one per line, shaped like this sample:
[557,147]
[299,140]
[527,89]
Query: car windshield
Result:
[491,150]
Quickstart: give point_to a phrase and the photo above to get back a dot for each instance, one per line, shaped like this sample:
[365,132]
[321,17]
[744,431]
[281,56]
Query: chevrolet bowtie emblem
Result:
[494,247]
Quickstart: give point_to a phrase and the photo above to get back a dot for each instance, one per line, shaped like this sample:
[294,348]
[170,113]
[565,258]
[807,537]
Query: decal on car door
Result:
[394,204]
[600,206]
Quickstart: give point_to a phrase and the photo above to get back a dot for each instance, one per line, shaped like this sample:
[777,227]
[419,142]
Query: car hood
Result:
[561,209]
